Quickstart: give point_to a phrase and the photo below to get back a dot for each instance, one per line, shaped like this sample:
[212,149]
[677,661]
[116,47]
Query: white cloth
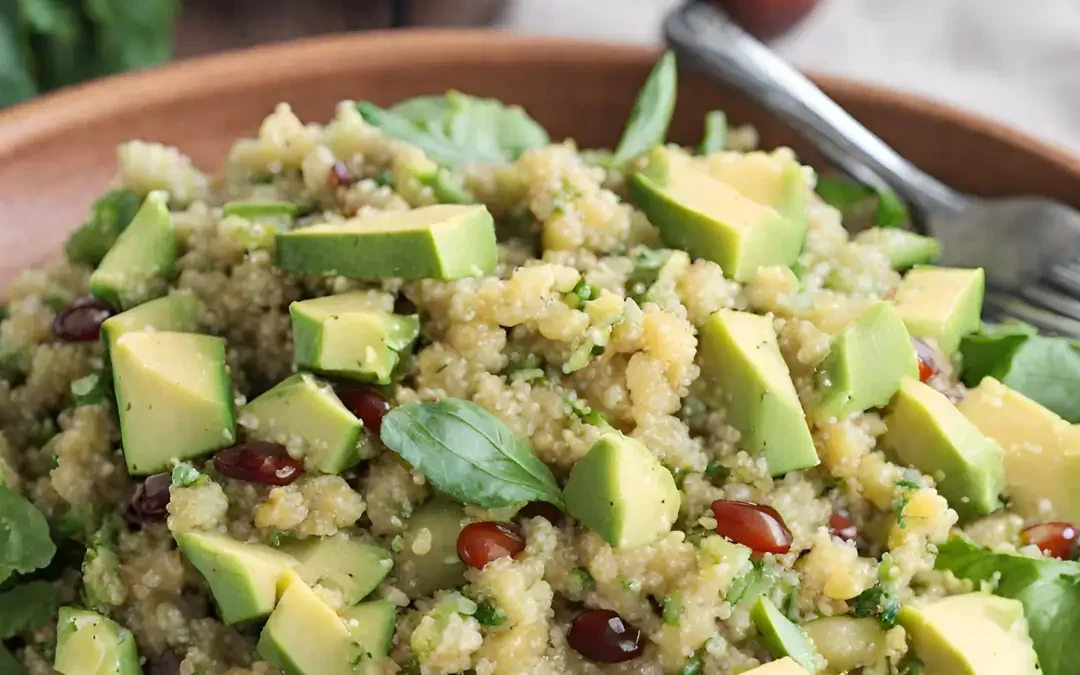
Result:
[1017,62]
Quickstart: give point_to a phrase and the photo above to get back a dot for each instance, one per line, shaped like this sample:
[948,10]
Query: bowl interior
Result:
[58,153]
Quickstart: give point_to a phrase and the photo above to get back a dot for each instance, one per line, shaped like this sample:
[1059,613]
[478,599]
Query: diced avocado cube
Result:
[708,218]
[343,336]
[428,559]
[259,209]
[446,241]
[941,304]
[304,636]
[971,634]
[622,492]
[138,265]
[784,666]
[109,216]
[349,566]
[90,644]
[372,625]
[848,643]
[904,248]
[770,180]
[304,414]
[1042,451]
[865,365]
[782,637]
[929,433]
[174,398]
[176,312]
[742,358]
[245,579]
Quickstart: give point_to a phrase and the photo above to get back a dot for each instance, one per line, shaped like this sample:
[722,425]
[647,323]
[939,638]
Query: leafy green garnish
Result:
[715,133]
[252,210]
[651,115]
[185,475]
[672,609]
[878,602]
[692,667]
[584,412]
[459,129]
[8,664]
[844,194]
[468,453]
[90,390]
[584,578]
[109,216]
[25,545]
[1049,589]
[46,44]
[447,188]
[26,607]
[1045,369]
[750,586]
[489,615]
[904,490]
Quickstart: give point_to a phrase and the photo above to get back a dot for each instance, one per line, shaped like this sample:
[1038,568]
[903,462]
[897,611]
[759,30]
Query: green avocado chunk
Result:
[344,336]
[304,414]
[784,666]
[1042,451]
[245,579]
[351,567]
[371,625]
[782,637]
[89,644]
[712,219]
[742,358]
[138,265]
[109,216]
[904,248]
[865,365]
[941,304]
[620,491]
[428,559]
[929,433]
[446,242]
[971,634]
[848,643]
[174,398]
[304,636]
[176,312]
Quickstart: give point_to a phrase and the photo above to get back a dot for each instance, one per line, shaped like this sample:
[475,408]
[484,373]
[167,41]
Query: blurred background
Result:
[1016,62]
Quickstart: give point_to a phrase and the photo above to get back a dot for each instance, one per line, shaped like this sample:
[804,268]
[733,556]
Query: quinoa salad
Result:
[425,391]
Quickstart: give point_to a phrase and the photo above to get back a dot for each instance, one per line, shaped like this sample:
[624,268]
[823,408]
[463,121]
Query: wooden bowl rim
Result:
[71,107]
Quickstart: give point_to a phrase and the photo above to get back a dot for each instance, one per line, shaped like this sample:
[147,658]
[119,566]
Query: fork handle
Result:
[709,39]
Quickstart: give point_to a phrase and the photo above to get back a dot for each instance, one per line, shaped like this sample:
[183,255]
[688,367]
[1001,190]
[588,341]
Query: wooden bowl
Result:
[57,153]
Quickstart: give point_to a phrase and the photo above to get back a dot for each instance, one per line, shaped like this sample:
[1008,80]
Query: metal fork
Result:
[1027,245]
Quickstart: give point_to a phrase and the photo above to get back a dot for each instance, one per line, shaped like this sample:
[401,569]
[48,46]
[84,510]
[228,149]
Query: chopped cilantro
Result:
[489,615]
[877,602]
[672,609]
[584,578]
[185,475]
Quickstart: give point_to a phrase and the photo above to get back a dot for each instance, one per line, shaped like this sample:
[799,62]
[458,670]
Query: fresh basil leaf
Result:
[468,453]
[109,216]
[9,665]
[130,35]
[25,545]
[1045,369]
[27,607]
[459,129]
[651,115]
[891,210]
[715,137]
[1049,590]
[844,194]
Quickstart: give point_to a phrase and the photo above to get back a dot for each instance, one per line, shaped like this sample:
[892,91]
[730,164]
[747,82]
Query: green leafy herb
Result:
[252,210]
[185,475]
[647,265]
[279,537]
[448,189]
[584,578]
[753,584]
[715,133]
[90,390]
[651,115]
[26,607]
[25,545]
[904,489]
[586,413]
[715,469]
[8,664]
[1045,369]
[877,602]
[844,194]
[672,609]
[468,453]
[1049,589]
[692,667]
[109,216]
[459,129]
[489,615]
